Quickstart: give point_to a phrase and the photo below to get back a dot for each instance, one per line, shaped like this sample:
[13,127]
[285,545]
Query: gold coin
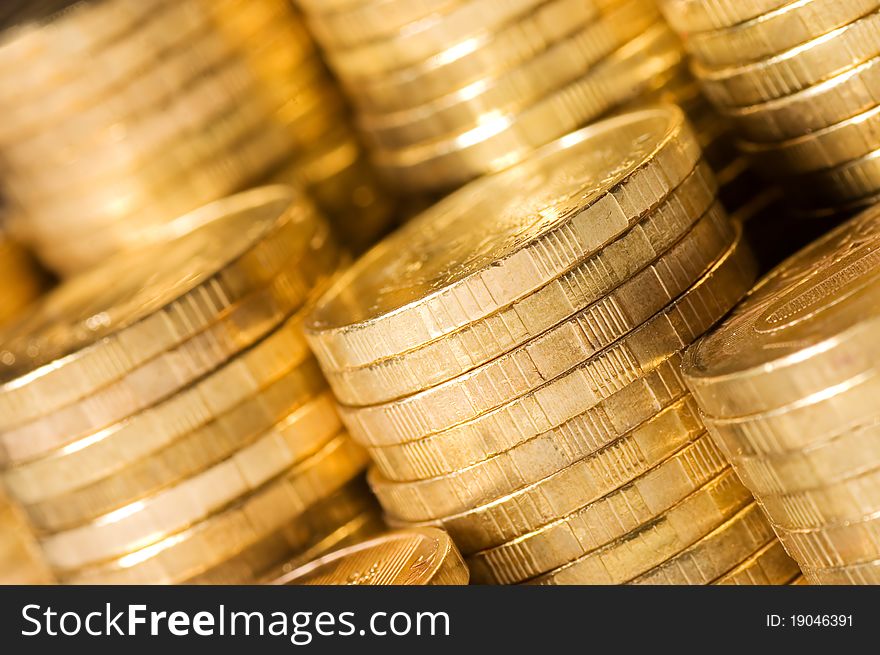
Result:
[689,16]
[52,50]
[834,545]
[342,519]
[210,396]
[716,553]
[833,503]
[539,504]
[804,328]
[366,526]
[814,151]
[853,180]
[765,35]
[187,456]
[464,62]
[527,509]
[601,280]
[528,317]
[556,406]
[161,377]
[83,173]
[145,522]
[771,565]
[532,461]
[814,108]
[255,379]
[76,341]
[512,91]
[815,419]
[418,295]
[73,98]
[653,544]
[424,556]
[208,543]
[867,573]
[852,452]
[611,517]
[606,364]
[426,38]
[106,198]
[506,139]
[372,21]
[800,580]
[791,71]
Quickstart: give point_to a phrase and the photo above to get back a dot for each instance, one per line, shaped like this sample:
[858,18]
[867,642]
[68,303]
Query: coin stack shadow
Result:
[20,559]
[510,360]
[21,282]
[121,115]
[801,83]
[161,418]
[447,91]
[788,387]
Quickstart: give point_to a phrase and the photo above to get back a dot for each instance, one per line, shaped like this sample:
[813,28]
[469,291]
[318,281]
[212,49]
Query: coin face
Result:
[407,557]
[134,285]
[485,222]
[812,298]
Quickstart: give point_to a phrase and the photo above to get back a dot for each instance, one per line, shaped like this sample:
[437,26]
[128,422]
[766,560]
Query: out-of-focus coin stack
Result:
[788,386]
[447,91]
[510,359]
[20,558]
[800,80]
[423,556]
[161,418]
[20,280]
[121,115]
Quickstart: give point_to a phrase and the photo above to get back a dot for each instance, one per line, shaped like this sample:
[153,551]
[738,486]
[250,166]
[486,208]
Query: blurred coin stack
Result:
[20,558]
[161,418]
[20,280]
[800,80]
[447,91]
[740,189]
[120,115]
[423,556]
[788,386]
[510,360]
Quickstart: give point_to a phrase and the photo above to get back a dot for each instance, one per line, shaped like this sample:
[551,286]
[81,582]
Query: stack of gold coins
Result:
[20,281]
[740,188]
[799,79]
[120,116]
[788,386]
[510,359]
[419,556]
[20,558]
[161,418]
[447,91]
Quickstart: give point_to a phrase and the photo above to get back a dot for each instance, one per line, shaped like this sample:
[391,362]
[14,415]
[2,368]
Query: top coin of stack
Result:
[120,116]
[788,386]
[799,78]
[449,90]
[510,360]
[161,418]
[424,556]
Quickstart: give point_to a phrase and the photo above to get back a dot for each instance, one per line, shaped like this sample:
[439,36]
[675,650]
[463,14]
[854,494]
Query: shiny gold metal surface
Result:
[422,556]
